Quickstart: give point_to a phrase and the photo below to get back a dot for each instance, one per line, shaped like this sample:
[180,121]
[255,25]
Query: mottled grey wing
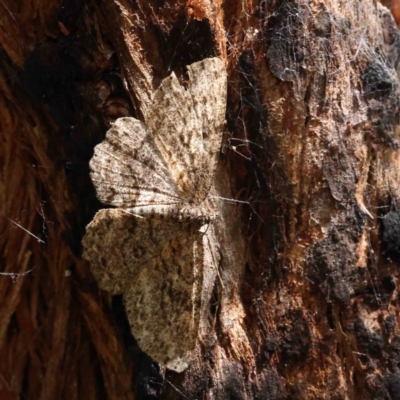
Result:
[128,171]
[163,304]
[118,243]
[187,125]
[208,88]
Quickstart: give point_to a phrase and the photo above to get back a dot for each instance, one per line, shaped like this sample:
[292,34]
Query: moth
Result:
[154,245]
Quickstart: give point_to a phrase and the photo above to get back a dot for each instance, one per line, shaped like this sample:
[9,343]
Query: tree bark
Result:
[306,304]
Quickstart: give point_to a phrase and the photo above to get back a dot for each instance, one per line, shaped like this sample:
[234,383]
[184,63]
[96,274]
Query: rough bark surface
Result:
[306,305]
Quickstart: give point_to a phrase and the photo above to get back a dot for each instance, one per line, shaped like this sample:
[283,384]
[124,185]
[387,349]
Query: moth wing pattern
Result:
[208,88]
[127,170]
[117,244]
[164,314]
[196,116]
[154,248]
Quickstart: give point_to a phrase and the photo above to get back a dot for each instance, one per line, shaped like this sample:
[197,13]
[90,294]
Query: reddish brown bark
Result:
[310,152]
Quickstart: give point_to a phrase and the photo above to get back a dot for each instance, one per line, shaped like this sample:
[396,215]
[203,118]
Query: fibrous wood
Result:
[305,300]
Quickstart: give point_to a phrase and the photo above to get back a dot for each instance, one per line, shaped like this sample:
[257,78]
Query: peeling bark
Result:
[306,302]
